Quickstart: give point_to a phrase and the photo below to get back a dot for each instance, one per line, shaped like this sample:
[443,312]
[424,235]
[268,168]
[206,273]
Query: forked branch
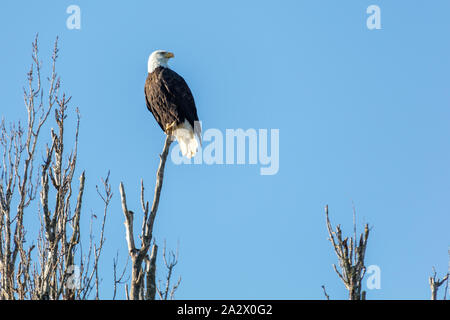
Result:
[138,273]
[435,283]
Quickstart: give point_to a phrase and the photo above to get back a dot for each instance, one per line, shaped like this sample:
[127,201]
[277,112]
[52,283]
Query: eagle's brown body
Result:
[169,99]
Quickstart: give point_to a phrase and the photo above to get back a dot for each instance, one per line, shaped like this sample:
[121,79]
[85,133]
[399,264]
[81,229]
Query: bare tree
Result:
[435,283]
[143,266]
[351,256]
[16,182]
[55,275]
[58,268]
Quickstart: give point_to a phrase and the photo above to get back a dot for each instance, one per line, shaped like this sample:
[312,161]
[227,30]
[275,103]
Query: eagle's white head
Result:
[159,58]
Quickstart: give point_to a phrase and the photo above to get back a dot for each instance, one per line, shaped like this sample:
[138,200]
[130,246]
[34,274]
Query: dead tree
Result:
[351,256]
[435,283]
[17,181]
[56,274]
[143,266]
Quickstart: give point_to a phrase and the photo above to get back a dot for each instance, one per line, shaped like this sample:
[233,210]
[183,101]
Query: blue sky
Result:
[363,118]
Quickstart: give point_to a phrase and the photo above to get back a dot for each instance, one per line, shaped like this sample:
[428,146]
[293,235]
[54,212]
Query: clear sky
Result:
[363,118]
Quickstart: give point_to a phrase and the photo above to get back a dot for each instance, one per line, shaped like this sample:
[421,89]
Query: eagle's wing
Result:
[169,98]
[179,96]
[154,100]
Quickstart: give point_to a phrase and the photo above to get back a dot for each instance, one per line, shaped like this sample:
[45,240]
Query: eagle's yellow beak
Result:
[169,55]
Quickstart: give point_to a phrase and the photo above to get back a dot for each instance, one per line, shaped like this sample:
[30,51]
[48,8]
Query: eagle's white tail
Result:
[186,139]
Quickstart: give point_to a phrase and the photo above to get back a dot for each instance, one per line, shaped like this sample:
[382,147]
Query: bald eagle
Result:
[170,101]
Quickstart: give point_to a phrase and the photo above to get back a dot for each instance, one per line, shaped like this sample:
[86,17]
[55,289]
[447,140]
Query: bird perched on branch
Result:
[171,102]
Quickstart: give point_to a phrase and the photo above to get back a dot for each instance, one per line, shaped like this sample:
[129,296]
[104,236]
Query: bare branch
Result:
[170,263]
[118,280]
[325,293]
[138,273]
